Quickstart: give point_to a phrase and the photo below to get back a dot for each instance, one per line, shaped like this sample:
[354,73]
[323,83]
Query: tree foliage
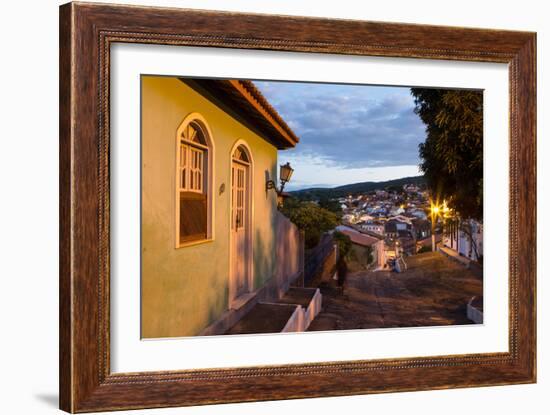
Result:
[452,155]
[369,254]
[355,188]
[310,218]
[331,205]
[344,243]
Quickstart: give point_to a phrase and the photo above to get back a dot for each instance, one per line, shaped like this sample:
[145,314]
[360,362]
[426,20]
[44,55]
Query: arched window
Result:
[241,154]
[193,183]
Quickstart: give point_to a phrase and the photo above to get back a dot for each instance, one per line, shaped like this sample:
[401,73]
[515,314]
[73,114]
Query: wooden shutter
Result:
[193,187]
[193,216]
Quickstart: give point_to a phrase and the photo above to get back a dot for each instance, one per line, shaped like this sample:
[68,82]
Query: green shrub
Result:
[344,244]
[310,218]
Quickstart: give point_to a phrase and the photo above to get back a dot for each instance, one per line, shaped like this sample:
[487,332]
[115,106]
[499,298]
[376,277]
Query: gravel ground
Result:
[433,291]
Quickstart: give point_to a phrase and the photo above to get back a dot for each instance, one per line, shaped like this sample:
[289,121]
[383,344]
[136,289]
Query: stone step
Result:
[299,296]
[267,318]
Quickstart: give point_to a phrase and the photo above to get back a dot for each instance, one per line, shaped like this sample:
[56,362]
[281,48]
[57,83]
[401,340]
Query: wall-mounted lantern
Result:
[285,173]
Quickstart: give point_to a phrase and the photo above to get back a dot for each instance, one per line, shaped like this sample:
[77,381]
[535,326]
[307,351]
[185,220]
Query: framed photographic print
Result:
[260,207]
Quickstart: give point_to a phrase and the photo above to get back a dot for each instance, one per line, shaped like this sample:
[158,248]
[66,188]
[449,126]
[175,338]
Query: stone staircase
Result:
[293,312]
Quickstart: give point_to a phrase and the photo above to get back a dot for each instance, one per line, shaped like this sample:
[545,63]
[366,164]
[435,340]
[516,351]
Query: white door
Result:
[240,249]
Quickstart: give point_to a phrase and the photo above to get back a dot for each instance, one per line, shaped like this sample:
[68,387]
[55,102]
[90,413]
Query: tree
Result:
[469,228]
[396,189]
[331,205]
[452,155]
[344,243]
[310,218]
[368,254]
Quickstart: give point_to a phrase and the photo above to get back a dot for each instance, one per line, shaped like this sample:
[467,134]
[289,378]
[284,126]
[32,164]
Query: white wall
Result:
[28,208]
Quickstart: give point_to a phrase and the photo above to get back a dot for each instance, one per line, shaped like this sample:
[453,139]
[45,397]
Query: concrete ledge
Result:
[309,300]
[292,313]
[295,322]
[230,317]
[474,310]
[313,309]
[267,318]
[475,267]
[450,253]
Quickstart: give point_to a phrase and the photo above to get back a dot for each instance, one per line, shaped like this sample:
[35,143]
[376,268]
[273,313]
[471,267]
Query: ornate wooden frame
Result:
[86,33]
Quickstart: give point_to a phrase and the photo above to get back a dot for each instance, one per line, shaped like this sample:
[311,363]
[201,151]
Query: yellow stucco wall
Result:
[186,289]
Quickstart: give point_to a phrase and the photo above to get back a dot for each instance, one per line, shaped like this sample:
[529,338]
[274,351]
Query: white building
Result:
[373,226]
[457,238]
[364,217]
[396,210]
[419,213]
[402,219]
[411,188]
[360,241]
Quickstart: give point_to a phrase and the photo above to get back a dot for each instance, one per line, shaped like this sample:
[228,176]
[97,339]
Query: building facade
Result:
[213,241]
[360,242]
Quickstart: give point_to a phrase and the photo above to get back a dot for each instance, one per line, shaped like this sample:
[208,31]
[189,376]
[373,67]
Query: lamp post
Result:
[446,214]
[434,211]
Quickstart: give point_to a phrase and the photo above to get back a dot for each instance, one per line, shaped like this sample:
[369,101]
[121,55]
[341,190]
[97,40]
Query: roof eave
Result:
[244,102]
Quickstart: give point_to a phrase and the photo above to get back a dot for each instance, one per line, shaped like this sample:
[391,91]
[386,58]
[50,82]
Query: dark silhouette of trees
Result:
[344,244]
[452,155]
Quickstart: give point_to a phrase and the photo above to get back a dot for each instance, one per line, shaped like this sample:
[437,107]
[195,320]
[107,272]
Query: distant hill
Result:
[355,188]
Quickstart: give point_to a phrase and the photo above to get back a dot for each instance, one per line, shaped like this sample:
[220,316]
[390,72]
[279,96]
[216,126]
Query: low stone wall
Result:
[313,309]
[327,270]
[295,322]
[476,268]
[303,316]
[289,252]
[320,262]
[474,313]
[324,270]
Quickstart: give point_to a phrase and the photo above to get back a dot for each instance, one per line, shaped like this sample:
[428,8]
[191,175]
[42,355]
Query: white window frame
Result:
[237,301]
[207,185]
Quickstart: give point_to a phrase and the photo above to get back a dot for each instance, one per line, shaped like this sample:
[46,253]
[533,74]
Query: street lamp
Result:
[437,210]
[285,173]
[434,212]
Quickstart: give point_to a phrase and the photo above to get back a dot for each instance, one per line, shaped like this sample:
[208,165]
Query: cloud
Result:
[349,126]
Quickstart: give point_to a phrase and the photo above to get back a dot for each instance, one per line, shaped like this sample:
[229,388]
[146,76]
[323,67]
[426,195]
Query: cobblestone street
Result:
[434,290]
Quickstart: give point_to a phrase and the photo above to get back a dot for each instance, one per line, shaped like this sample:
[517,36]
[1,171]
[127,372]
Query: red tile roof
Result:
[357,237]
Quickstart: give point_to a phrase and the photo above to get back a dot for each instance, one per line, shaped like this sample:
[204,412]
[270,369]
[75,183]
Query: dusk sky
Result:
[348,133]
